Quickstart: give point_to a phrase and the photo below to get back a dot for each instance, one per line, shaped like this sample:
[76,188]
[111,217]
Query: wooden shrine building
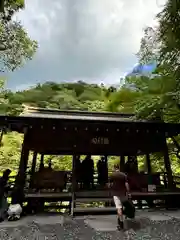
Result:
[54,132]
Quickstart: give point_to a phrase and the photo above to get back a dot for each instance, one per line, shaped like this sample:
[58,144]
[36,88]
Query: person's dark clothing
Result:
[102,172]
[17,195]
[131,165]
[4,188]
[118,180]
[99,169]
[88,172]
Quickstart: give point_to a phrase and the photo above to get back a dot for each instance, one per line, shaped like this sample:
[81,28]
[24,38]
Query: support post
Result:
[73,188]
[148,164]
[1,136]
[33,168]
[168,166]
[136,164]
[106,158]
[41,162]
[21,177]
[107,170]
[122,163]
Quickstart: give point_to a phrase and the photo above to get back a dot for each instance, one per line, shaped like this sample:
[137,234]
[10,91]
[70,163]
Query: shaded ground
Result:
[147,225]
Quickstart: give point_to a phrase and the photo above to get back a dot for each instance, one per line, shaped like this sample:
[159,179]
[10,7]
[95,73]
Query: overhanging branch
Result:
[1,6]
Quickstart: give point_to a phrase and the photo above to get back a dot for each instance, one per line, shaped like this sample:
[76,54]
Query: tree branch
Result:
[1,6]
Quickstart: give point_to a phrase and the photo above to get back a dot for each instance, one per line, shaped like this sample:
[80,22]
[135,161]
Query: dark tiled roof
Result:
[78,115]
[39,116]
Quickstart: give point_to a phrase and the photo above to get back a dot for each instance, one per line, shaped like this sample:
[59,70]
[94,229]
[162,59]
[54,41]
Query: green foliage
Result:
[15,45]
[122,101]
[149,47]
[158,96]
[10,151]
[9,7]
[82,96]
[6,106]
[163,45]
[18,46]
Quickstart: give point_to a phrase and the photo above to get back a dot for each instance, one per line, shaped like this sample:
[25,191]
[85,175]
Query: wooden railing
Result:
[163,179]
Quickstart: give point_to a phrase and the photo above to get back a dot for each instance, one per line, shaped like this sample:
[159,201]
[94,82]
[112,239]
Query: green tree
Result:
[15,45]
[6,106]
[149,46]
[9,7]
[163,45]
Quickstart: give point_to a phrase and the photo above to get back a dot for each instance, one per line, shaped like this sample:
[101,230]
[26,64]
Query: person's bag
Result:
[129,209]
[14,212]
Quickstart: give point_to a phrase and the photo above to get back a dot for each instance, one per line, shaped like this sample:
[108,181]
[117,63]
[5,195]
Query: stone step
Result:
[85,200]
[94,210]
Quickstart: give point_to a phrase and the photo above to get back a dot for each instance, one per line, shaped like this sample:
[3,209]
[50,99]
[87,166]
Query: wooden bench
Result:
[48,180]
[46,186]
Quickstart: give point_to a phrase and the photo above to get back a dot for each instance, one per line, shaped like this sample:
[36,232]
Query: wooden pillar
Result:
[33,168]
[168,166]
[41,161]
[21,177]
[1,136]
[148,163]
[73,188]
[106,173]
[136,164]
[122,163]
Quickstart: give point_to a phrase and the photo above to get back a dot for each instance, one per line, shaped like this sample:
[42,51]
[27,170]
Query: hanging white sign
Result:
[100,141]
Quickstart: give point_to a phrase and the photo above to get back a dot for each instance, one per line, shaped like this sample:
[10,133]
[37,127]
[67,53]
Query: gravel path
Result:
[77,229]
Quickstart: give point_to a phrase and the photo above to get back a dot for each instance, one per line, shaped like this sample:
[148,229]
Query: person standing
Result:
[102,172]
[119,186]
[88,172]
[3,191]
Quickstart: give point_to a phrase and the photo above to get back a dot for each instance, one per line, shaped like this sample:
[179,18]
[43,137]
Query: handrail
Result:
[164,174]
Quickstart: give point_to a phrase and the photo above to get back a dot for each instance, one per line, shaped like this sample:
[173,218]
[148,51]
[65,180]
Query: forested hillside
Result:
[79,95]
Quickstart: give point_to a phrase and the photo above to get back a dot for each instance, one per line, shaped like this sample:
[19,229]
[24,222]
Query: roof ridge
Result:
[29,110]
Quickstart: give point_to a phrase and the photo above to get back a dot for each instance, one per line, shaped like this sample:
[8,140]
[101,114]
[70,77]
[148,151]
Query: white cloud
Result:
[84,39]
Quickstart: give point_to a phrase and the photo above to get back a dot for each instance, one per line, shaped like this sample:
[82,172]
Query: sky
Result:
[90,40]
